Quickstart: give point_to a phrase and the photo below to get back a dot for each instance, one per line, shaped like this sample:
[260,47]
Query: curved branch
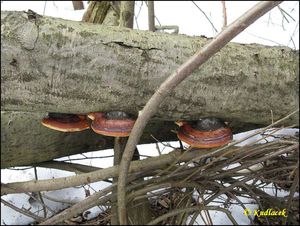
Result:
[171,82]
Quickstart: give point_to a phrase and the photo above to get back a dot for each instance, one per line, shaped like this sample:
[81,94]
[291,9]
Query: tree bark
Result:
[55,65]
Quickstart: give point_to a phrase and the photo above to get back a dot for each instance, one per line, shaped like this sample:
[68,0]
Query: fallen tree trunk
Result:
[25,141]
[55,65]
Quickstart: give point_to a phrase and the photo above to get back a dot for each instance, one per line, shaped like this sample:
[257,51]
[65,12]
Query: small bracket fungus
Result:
[114,124]
[66,122]
[205,133]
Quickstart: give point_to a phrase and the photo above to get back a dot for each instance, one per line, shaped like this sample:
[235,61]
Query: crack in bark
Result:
[122,44]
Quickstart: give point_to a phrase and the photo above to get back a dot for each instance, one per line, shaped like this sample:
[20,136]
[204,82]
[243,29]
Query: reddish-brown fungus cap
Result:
[66,122]
[113,124]
[206,133]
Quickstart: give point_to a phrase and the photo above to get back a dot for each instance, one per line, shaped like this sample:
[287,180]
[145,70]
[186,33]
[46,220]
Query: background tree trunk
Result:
[126,14]
[96,12]
[78,5]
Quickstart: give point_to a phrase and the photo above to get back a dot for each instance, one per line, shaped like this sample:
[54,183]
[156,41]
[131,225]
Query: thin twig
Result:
[99,157]
[206,17]
[60,200]
[136,15]
[291,38]
[263,38]
[283,12]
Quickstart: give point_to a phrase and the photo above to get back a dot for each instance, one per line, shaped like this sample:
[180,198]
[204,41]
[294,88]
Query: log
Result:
[25,141]
[55,65]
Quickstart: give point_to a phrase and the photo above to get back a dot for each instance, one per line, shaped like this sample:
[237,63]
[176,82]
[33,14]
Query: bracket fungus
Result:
[113,124]
[205,133]
[66,122]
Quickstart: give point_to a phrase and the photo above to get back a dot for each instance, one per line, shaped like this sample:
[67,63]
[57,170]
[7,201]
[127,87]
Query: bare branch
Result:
[137,166]
[72,167]
[224,15]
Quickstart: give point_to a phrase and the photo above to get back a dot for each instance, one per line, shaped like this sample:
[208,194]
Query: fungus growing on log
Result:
[204,133]
[114,124]
[66,122]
